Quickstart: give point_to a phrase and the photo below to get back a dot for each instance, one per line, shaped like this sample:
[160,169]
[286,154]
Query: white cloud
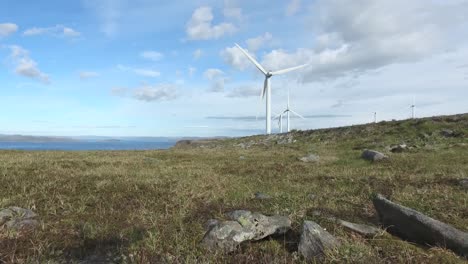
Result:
[57,30]
[244,91]
[256,43]
[368,35]
[293,7]
[197,54]
[84,75]
[151,55]
[217,79]
[160,92]
[7,29]
[25,66]
[200,26]
[234,57]
[140,71]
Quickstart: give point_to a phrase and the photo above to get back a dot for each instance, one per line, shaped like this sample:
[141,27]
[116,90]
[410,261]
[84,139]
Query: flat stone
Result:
[310,158]
[315,241]
[373,155]
[262,196]
[414,226]
[364,230]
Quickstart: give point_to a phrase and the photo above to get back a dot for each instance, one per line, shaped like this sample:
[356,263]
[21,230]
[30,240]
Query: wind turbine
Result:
[287,112]
[412,108]
[375,117]
[280,122]
[266,91]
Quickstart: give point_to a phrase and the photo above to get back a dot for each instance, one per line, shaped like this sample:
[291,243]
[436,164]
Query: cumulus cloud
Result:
[200,26]
[234,57]
[293,7]
[160,92]
[84,75]
[217,78]
[25,66]
[256,43]
[57,30]
[352,39]
[244,91]
[140,71]
[6,29]
[151,55]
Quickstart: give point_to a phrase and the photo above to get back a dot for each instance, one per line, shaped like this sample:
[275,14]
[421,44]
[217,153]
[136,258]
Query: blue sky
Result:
[170,68]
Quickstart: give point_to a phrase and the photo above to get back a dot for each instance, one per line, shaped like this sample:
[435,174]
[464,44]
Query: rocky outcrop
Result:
[243,226]
[373,155]
[414,226]
[315,241]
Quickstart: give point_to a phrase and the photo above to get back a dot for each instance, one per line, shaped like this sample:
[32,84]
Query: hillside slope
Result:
[150,206]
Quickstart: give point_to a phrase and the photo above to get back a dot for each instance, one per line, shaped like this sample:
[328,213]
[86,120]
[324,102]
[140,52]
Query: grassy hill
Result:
[150,206]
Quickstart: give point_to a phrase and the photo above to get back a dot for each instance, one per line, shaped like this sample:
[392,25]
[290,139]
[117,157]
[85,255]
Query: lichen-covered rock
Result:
[17,218]
[417,227]
[373,155]
[260,225]
[244,226]
[226,236]
[315,241]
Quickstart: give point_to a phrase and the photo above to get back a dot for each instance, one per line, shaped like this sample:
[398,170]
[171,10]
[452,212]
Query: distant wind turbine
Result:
[287,112]
[266,91]
[413,106]
[375,117]
[280,122]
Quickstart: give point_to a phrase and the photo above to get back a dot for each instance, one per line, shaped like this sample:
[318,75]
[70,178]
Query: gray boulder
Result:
[244,226]
[364,230]
[315,241]
[373,155]
[417,227]
[310,158]
[17,218]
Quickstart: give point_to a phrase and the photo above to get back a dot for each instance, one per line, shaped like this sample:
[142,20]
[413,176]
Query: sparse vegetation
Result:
[150,206]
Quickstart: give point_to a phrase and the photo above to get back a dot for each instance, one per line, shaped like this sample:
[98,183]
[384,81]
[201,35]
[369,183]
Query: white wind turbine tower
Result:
[289,111]
[266,91]
[375,117]
[280,122]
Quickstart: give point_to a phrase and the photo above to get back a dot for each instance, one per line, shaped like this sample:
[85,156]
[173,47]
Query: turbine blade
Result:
[297,114]
[289,69]
[252,60]
[265,87]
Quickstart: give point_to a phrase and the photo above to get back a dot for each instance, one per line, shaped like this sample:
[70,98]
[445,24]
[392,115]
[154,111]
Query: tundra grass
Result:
[150,206]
